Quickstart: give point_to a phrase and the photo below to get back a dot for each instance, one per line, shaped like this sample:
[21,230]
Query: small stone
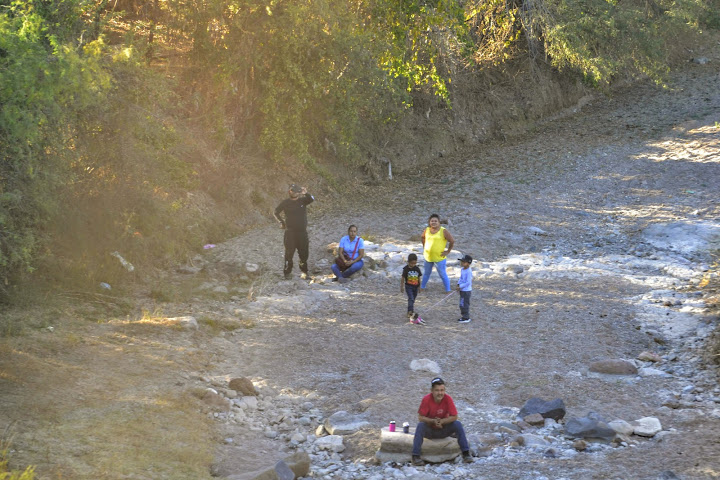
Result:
[216,401]
[187,323]
[535,419]
[343,423]
[247,403]
[621,426]
[554,409]
[646,426]
[649,357]
[591,426]
[426,365]
[530,440]
[333,443]
[243,386]
[614,367]
[580,445]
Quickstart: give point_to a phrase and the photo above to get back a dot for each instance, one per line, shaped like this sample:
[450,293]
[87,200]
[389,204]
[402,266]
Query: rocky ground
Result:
[590,238]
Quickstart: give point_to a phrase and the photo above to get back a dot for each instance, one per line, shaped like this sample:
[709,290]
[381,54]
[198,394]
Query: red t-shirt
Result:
[429,408]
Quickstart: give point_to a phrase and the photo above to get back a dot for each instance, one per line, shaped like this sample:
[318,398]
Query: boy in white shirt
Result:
[464,287]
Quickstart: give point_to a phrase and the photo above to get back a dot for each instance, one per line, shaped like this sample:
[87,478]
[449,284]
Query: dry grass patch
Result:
[104,401]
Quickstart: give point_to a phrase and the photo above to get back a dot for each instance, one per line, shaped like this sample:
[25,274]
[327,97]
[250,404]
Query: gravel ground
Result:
[573,203]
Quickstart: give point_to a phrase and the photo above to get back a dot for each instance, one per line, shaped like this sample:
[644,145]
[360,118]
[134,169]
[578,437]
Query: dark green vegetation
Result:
[145,126]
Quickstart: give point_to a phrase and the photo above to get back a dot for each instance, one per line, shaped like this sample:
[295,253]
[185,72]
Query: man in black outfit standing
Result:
[295,226]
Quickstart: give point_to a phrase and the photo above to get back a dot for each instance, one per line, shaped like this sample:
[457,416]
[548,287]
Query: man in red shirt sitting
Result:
[438,419]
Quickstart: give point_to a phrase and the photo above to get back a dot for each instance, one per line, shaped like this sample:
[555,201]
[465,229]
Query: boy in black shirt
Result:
[409,283]
[295,226]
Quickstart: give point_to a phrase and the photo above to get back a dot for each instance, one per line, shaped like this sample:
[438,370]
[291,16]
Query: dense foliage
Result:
[96,150]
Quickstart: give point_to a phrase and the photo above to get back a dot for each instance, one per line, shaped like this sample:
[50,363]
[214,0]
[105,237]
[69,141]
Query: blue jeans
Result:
[411,291]
[423,431]
[347,273]
[441,271]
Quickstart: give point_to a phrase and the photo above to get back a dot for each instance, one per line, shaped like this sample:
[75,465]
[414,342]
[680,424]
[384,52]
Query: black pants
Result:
[296,240]
[465,304]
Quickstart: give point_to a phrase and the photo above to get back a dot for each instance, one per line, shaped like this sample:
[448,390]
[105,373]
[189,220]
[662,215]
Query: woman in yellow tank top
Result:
[437,244]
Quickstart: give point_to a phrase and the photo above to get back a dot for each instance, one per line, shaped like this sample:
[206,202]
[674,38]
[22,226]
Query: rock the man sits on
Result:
[438,418]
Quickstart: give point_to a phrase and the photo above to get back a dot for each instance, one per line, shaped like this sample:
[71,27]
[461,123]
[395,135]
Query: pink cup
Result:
[392,426]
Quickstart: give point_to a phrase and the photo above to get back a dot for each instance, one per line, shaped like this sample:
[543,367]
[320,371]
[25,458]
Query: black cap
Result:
[466,258]
[437,381]
[295,188]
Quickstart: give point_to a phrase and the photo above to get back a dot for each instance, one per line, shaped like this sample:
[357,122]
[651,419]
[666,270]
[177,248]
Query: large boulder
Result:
[554,409]
[397,447]
[343,423]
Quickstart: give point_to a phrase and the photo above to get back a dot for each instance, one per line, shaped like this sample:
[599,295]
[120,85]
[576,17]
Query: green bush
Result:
[600,39]
[46,84]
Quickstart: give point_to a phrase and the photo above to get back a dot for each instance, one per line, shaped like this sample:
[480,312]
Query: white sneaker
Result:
[464,320]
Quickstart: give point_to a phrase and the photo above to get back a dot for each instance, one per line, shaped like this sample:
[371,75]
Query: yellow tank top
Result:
[434,245]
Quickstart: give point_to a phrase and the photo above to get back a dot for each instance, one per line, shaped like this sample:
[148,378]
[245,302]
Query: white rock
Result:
[343,423]
[396,258]
[425,365]
[652,372]
[537,231]
[531,440]
[646,426]
[248,403]
[252,267]
[332,443]
[621,426]
[455,255]
[389,247]
[370,246]
[377,256]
